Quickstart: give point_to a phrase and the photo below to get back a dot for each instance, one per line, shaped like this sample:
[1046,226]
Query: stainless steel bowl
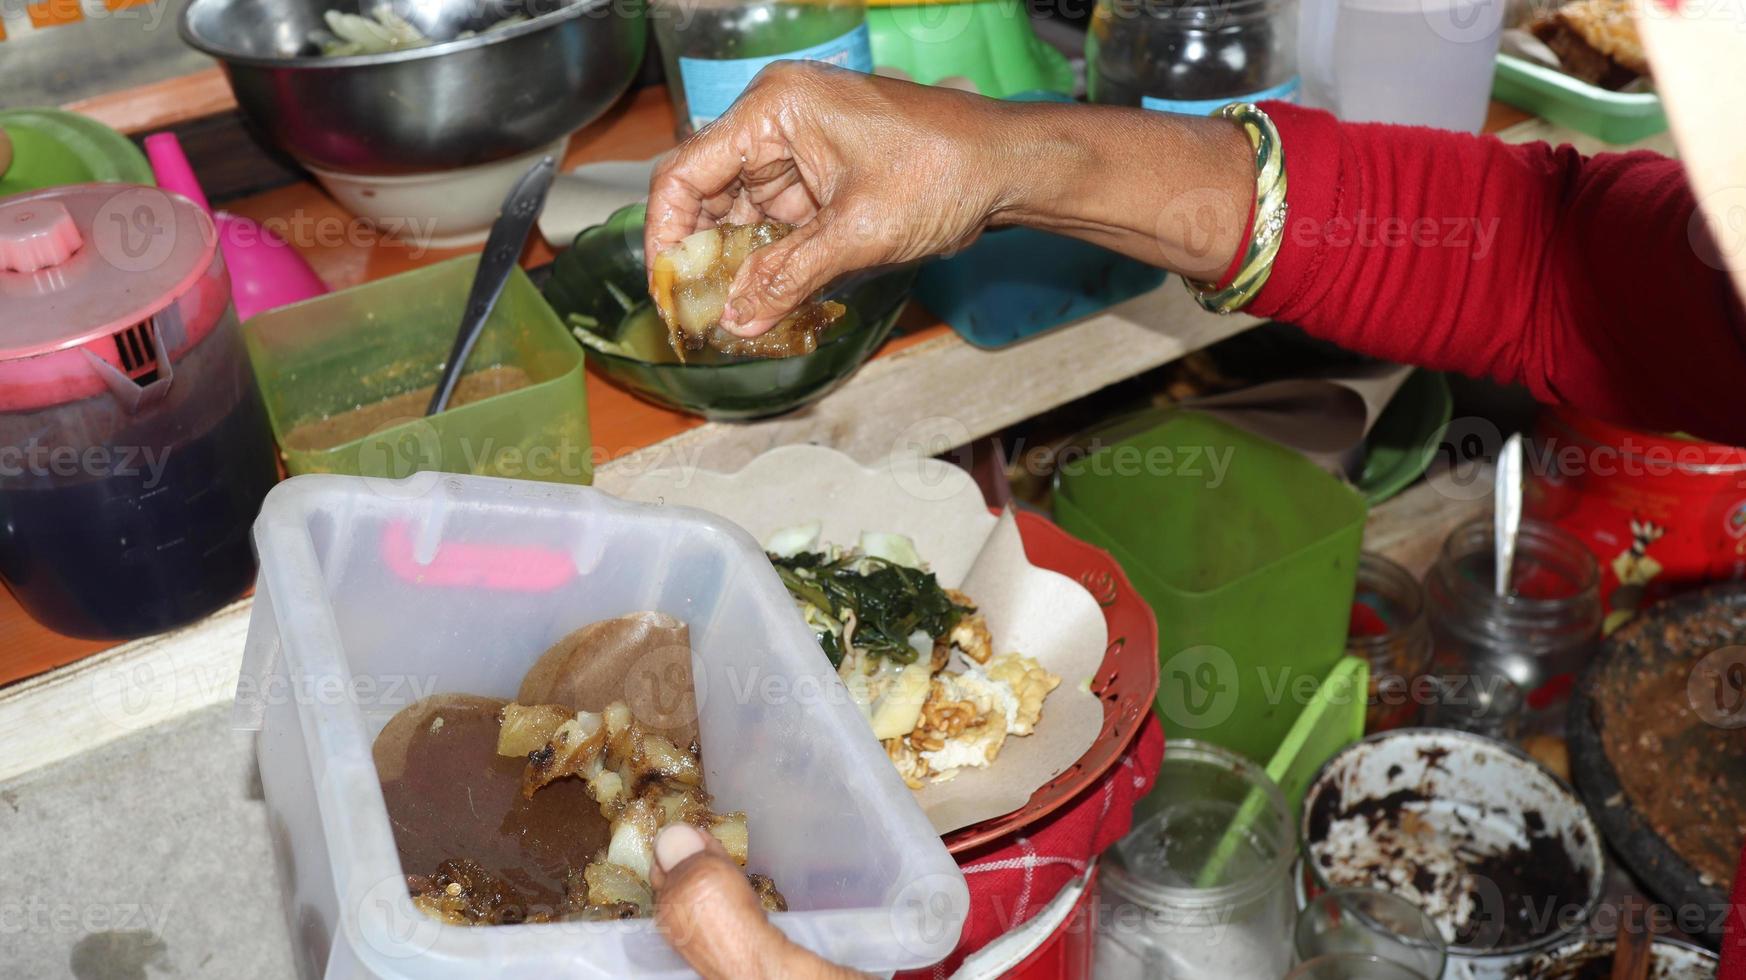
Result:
[455,104]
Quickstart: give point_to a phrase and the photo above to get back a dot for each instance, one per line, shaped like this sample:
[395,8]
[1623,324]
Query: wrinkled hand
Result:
[708,912]
[871,170]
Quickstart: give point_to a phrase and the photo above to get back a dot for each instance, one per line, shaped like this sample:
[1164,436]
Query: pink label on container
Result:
[503,568]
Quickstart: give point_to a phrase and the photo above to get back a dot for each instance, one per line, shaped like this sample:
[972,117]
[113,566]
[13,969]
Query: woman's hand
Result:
[710,915]
[871,170]
[874,171]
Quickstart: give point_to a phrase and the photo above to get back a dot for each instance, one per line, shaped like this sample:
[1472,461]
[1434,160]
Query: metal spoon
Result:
[502,251]
[1507,512]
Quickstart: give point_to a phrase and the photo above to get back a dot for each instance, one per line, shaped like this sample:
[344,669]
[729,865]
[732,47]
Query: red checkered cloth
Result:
[1013,878]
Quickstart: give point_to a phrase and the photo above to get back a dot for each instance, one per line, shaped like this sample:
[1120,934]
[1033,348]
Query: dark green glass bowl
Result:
[604,270]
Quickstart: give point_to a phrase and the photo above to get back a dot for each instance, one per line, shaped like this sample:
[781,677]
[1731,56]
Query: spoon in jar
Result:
[1506,512]
[502,251]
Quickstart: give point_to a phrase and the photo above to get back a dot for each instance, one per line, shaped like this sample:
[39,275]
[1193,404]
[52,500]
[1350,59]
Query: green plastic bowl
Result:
[53,147]
[601,278]
[1406,435]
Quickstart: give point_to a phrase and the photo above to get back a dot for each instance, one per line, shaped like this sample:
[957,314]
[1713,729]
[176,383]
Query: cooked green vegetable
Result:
[890,603]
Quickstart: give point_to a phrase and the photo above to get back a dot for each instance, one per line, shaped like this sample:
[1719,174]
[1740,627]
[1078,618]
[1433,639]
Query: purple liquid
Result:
[117,554]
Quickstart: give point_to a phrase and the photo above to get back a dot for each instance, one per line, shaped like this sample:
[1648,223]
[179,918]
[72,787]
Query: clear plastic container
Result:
[1411,62]
[1191,56]
[390,337]
[1201,888]
[712,49]
[374,593]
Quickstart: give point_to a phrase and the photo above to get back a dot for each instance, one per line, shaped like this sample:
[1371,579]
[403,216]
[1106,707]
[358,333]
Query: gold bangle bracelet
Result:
[1270,206]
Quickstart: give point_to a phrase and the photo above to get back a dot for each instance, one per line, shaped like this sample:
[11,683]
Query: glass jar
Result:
[1540,634]
[1191,56]
[712,49]
[1390,632]
[1353,966]
[1369,922]
[1201,888]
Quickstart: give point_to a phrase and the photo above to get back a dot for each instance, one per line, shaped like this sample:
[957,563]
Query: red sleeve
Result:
[1734,940]
[1574,276]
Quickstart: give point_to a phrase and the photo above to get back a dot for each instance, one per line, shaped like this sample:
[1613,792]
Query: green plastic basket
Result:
[364,344]
[1248,556]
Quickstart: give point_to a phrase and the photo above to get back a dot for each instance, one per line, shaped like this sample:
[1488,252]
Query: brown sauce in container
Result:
[450,796]
[340,428]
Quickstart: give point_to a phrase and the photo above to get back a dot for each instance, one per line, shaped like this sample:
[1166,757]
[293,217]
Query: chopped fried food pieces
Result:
[1029,683]
[463,893]
[690,284]
[642,782]
[527,728]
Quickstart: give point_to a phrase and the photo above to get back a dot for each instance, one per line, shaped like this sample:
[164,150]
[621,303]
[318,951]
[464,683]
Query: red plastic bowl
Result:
[1126,683]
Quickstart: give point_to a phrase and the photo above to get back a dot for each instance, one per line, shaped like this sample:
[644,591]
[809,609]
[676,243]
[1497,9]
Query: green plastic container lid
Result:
[53,147]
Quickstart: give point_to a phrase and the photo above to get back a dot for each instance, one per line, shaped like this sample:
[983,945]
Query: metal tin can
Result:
[1660,513]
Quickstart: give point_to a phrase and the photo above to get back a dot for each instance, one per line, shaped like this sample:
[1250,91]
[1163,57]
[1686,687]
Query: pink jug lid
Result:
[80,263]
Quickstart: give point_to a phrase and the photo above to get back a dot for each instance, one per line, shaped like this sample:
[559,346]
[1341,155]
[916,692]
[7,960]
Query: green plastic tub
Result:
[1612,117]
[1247,553]
[328,355]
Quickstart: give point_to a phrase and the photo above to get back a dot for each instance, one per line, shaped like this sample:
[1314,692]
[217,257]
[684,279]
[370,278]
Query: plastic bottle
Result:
[712,49]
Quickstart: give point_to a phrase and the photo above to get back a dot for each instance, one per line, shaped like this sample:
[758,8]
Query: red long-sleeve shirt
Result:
[1584,279]
[1581,278]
